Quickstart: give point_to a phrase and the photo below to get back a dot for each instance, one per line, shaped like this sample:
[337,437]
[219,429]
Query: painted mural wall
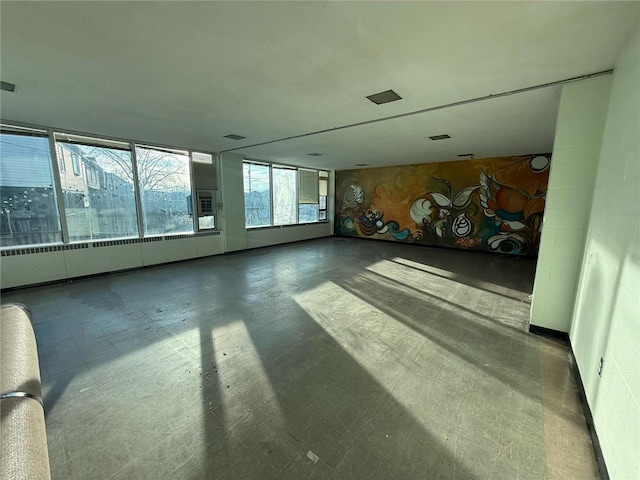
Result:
[492,204]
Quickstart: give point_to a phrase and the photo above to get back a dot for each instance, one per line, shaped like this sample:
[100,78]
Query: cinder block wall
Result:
[576,152]
[606,319]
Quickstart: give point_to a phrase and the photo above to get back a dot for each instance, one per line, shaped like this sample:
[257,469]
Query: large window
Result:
[65,187]
[98,191]
[28,208]
[204,181]
[165,188]
[279,195]
[102,188]
[284,196]
[323,191]
[257,194]
[309,195]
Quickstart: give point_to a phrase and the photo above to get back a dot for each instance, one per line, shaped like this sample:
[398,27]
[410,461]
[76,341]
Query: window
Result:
[308,213]
[164,180]
[75,162]
[279,195]
[206,209]
[308,196]
[323,191]
[205,183]
[257,194]
[101,203]
[28,208]
[284,196]
[101,189]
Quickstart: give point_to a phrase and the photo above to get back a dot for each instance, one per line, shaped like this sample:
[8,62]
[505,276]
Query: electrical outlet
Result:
[600,366]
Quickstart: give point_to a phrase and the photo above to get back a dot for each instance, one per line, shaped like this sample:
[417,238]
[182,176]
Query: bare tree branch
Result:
[156,170]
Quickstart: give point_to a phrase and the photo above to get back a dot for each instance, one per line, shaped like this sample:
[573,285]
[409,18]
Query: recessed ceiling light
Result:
[384,97]
[314,154]
[7,87]
[233,136]
[439,137]
[361,164]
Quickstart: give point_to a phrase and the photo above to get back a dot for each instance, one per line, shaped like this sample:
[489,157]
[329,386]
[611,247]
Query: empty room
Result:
[320,240]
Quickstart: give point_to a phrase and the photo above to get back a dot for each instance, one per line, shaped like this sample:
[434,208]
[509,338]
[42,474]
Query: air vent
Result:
[470,155]
[440,137]
[384,97]
[233,136]
[7,87]
[315,154]
[361,164]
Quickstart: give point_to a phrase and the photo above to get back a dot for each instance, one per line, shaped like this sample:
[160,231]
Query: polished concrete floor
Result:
[330,359]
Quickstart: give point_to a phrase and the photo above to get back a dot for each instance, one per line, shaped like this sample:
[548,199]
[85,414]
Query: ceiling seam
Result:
[430,109]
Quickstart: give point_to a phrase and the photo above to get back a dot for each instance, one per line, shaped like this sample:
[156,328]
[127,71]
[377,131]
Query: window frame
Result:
[57,218]
[100,202]
[142,203]
[58,165]
[270,190]
[323,175]
[273,169]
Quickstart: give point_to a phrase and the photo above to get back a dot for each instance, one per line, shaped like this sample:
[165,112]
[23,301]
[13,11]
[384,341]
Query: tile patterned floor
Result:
[329,359]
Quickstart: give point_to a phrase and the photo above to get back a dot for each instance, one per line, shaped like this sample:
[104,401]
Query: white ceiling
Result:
[187,73]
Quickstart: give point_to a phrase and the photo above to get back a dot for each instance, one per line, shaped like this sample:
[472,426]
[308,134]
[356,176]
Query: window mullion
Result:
[296,197]
[136,189]
[271,197]
[57,185]
[194,206]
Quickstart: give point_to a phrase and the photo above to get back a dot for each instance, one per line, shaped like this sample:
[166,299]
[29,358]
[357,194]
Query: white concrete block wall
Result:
[262,237]
[154,253]
[93,260]
[210,245]
[576,150]
[606,318]
[17,270]
[42,267]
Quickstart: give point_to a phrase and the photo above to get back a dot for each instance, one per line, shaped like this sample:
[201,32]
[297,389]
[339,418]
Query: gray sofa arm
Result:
[23,435]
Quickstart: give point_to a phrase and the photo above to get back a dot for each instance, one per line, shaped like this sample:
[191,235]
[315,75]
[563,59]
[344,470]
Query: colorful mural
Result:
[493,204]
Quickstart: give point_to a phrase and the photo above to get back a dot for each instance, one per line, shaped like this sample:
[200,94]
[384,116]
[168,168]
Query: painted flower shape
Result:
[507,242]
[422,211]
[505,204]
[354,194]
[462,226]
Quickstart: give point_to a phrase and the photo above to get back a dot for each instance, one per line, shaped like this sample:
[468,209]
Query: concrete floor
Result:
[330,359]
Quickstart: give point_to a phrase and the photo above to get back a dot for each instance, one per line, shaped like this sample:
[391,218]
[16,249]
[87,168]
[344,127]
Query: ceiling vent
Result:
[470,155]
[314,154]
[361,164]
[7,87]
[233,136]
[440,137]
[384,97]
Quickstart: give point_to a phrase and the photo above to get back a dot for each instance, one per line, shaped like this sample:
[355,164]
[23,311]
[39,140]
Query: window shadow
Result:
[272,381]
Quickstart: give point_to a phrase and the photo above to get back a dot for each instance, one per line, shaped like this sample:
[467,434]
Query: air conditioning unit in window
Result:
[205,205]
[205,202]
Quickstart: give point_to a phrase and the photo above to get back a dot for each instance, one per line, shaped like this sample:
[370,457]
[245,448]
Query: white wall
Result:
[35,266]
[32,268]
[606,320]
[262,237]
[232,215]
[576,150]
